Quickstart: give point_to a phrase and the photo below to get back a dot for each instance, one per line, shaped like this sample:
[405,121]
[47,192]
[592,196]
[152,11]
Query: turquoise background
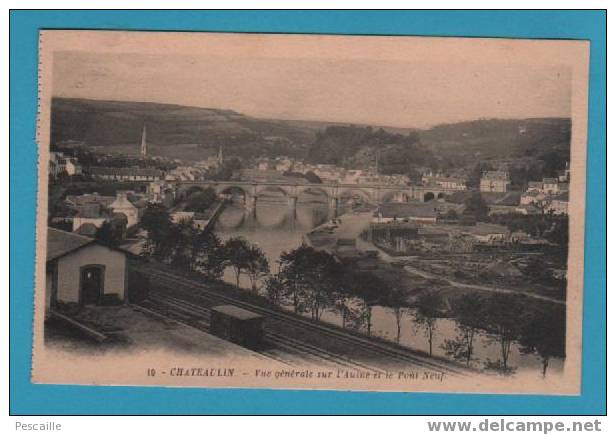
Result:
[27,398]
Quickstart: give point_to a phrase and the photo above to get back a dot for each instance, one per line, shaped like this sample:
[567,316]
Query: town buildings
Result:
[197,220]
[122,205]
[410,211]
[212,162]
[494,181]
[125,174]
[444,182]
[160,192]
[559,204]
[273,168]
[88,212]
[549,195]
[59,163]
[184,173]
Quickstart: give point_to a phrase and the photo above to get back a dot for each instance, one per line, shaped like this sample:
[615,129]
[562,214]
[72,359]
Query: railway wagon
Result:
[237,325]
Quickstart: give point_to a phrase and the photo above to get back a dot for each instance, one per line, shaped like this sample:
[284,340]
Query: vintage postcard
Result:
[367,213]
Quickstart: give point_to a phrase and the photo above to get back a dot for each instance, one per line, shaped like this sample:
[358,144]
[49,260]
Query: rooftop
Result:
[90,198]
[60,243]
[441,178]
[496,175]
[237,312]
[126,171]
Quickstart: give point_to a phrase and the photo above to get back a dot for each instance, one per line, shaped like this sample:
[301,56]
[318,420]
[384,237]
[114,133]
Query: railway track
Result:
[177,285]
[283,349]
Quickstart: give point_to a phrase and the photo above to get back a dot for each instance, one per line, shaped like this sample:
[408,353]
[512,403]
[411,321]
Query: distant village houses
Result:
[406,212]
[494,181]
[125,174]
[559,204]
[160,192]
[550,195]
[87,213]
[444,182]
[61,164]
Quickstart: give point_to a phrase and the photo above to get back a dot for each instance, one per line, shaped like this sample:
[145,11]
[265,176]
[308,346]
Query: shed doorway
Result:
[92,279]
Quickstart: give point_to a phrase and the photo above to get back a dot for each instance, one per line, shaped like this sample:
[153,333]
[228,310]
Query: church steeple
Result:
[144,145]
[220,158]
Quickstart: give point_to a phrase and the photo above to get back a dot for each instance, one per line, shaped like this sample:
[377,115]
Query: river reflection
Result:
[276,227]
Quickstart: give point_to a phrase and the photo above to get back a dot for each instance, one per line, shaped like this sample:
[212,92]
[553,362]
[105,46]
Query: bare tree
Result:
[257,266]
[427,310]
[503,319]
[468,313]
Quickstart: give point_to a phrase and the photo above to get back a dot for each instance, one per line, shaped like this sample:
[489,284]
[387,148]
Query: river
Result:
[275,228]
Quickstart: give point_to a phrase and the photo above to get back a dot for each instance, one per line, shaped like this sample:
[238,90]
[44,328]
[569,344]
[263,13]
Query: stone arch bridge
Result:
[371,193]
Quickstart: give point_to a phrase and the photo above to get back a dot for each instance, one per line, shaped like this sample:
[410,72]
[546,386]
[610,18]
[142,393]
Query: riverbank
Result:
[399,270]
[219,207]
[336,236]
[276,229]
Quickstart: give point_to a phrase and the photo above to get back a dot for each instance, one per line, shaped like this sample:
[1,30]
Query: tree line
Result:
[312,282]
[187,247]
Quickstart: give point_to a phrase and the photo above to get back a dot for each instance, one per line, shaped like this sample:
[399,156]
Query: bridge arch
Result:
[402,195]
[314,190]
[351,191]
[230,189]
[428,196]
[194,189]
[272,189]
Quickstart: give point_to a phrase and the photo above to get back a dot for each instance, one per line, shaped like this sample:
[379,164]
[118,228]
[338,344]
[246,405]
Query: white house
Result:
[158,191]
[444,182]
[550,185]
[59,163]
[82,271]
[283,164]
[123,205]
[532,197]
[494,181]
[559,204]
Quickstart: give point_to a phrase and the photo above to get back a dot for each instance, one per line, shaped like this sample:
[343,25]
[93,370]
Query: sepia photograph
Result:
[364,213]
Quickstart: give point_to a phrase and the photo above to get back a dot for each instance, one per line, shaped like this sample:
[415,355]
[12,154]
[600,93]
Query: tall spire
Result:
[377,162]
[144,145]
[220,158]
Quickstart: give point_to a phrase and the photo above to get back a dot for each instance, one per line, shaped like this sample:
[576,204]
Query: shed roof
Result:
[237,312]
[60,243]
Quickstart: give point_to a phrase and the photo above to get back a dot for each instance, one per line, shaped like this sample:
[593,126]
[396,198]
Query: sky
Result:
[382,82]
